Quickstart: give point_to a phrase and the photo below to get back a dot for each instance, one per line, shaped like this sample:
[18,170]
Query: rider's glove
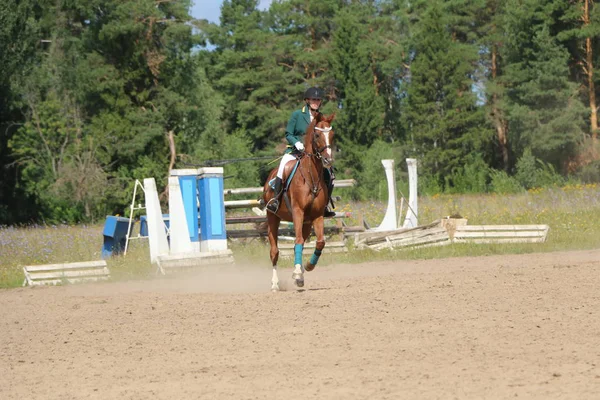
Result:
[299,146]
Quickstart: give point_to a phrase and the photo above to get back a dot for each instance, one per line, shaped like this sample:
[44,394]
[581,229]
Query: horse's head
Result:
[322,138]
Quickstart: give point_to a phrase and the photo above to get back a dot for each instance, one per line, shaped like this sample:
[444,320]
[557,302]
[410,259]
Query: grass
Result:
[572,212]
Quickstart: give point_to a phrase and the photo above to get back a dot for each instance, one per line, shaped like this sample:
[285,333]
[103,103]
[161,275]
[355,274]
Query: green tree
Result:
[115,74]
[20,39]
[580,36]
[545,113]
[444,122]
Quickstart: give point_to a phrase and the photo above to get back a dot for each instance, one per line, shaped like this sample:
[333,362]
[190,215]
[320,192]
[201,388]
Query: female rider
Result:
[295,130]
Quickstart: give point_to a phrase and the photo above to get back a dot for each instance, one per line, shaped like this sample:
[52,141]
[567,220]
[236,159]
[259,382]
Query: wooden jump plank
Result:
[339,183]
[245,233]
[407,235]
[486,234]
[500,240]
[374,235]
[418,245]
[70,274]
[468,228]
[68,280]
[260,218]
[53,274]
[65,266]
[417,234]
[499,234]
[437,239]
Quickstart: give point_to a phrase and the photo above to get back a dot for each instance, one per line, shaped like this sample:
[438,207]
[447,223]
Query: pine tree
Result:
[19,39]
[443,120]
[361,116]
[491,37]
[582,18]
[544,110]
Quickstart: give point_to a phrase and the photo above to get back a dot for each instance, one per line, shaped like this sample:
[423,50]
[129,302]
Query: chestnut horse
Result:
[307,196]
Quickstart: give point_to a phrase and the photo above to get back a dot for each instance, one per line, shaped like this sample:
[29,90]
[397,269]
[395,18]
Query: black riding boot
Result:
[328,213]
[273,204]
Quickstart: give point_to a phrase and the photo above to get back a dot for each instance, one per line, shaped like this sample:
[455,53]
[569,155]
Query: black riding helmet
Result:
[313,93]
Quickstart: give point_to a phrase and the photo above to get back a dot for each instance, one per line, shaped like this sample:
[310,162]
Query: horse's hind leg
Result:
[319,225]
[273,231]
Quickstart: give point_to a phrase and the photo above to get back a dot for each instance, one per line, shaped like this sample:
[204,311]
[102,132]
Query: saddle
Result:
[288,174]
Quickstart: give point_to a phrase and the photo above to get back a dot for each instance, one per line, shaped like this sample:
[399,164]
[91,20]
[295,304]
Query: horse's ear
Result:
[329,119]
[320,117]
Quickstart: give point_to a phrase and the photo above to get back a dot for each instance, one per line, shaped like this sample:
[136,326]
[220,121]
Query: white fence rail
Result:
[501,234]
[56,274]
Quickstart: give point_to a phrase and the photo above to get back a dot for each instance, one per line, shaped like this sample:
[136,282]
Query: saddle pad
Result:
[289,179]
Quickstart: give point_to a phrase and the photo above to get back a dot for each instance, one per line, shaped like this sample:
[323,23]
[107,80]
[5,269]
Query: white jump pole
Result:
[390,219]
[180,238]
[411,219]
[157,235]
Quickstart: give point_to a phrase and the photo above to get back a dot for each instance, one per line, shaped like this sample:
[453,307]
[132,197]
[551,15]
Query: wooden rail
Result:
[339,183]
[56,274]
[501,233]
[256,219]
[329,230]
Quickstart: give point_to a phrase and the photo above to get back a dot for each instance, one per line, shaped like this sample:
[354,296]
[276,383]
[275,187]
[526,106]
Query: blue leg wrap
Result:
[314,259]
[298,254]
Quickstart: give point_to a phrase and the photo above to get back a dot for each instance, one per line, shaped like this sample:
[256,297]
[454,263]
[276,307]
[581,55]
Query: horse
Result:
[307,196]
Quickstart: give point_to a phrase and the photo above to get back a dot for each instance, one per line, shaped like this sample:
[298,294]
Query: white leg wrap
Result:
[275,280]
[298,275]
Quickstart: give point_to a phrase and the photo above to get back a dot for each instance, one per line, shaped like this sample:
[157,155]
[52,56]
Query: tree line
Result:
[488,95]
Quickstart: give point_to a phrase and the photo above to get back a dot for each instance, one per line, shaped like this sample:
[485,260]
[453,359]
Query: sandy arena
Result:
[498,327]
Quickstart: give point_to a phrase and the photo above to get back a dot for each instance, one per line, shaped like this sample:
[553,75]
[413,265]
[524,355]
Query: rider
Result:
[296,128]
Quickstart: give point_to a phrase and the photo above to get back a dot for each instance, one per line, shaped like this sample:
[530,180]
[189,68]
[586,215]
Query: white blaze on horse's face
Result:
[328,144]
[327,135]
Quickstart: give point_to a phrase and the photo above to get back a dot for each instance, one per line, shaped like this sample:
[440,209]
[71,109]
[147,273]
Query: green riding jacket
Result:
[296,127]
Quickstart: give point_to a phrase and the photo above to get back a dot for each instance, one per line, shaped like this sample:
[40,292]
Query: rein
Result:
[319,156]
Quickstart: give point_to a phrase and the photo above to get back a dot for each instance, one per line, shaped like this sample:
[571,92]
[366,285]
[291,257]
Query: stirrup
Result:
[273,205]
[328,213]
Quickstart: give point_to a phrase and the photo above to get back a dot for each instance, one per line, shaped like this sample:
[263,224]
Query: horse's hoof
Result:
[309,267]
[298,279]
[275,288]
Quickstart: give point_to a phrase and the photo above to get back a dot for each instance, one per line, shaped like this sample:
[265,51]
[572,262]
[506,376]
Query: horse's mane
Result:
[308,135]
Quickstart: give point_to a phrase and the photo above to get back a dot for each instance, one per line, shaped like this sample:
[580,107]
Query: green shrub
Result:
[503,183]
[473,177]
[372,182]
[430,185]
[533,172]
[589,173]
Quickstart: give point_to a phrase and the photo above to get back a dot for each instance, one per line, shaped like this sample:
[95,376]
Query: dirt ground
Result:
[500,327]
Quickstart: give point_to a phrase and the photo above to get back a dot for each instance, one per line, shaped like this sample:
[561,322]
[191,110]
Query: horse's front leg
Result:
[273,231]
[319,225]
[298,275]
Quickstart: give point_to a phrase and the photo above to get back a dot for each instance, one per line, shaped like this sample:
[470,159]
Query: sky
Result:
[211,9]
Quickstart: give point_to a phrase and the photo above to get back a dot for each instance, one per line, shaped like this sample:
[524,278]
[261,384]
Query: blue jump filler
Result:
[115,235]
[213,236]
[204,206]
[188,184]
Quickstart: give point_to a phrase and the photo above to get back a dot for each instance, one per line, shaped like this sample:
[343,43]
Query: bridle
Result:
[318,154]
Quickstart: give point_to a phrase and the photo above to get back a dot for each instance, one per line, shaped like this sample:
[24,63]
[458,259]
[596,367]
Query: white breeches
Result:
[286,158]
